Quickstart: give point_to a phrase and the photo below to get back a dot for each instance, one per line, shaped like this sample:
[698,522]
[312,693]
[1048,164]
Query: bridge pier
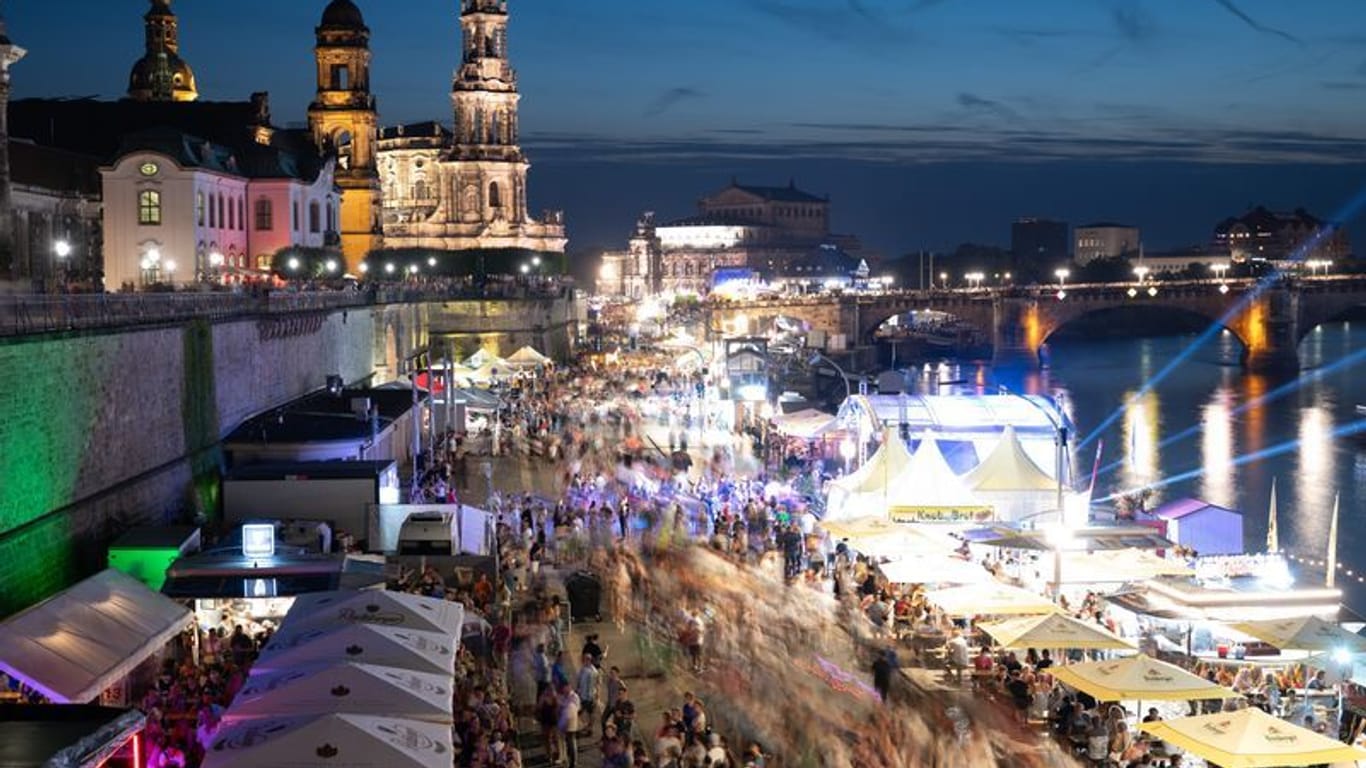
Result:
[1271,360]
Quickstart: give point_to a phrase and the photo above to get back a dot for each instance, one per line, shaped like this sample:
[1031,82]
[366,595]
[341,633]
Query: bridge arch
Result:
[1176,318]
[975,313]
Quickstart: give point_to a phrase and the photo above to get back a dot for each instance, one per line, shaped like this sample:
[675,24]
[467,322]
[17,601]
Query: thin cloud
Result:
[857,22]
[977,103]
[1134,24]
[1343,85]
[1232,8]
[670,99]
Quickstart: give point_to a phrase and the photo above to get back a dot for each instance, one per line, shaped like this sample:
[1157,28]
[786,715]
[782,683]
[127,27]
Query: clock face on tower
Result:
[148,169]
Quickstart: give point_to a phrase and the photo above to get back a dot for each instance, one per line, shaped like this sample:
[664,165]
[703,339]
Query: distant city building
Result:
[778,232]
[1182,259]
[181,209]
[161,75]
[468,189]
[1104,240]
[1039,241]
[1264,235]
[55,198]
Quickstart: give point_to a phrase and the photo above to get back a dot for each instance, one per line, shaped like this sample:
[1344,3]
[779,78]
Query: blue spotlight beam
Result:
[1348,212]
[1273,395]
[1347,430]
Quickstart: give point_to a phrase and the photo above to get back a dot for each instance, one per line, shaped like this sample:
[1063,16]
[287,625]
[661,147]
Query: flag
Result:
[1333,544]
[1273,536]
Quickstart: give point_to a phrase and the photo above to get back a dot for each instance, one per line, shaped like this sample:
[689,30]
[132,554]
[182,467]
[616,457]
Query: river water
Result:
[1193,428]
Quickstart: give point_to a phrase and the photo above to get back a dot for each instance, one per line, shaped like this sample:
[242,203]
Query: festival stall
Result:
[71,736]
[1251,738]
[527,358]
[864,491]
[85,641]
[345,686]
[934,569]
[355,741]
[1303,633]
[905,487]
[369,643]
[806,424]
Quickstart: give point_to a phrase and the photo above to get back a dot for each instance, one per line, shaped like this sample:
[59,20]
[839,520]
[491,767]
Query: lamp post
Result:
[974,279]
[944,279]
[170,271]
[1062,275]
[817,357]
[1219,271]
[62,249]
[1141,272]
[331,266]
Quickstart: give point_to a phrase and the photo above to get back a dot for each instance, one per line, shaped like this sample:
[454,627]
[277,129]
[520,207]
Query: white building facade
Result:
[1105,241]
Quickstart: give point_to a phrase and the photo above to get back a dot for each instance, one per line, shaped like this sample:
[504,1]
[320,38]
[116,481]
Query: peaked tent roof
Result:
[77,643]
[1009,468]
[888,463]
[527,356]
[393,609]
[1250,738]
[355,741]
[358,689]
[1053,630]
[989,599]
[370,643]
[806,423]
[929,481]
[478,359]
[1305,633]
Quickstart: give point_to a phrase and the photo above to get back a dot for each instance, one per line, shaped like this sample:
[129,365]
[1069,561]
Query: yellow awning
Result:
[1250,738]
[993,599]
[1141,678]
[1305,633]
[1054,630]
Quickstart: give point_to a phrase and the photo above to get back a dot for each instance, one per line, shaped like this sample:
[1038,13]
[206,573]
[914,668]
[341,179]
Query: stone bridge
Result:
[1269,319]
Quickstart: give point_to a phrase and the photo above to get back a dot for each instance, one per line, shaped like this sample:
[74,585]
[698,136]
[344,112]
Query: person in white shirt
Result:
[569,724]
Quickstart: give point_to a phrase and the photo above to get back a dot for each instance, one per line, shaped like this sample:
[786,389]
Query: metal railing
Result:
[23,314]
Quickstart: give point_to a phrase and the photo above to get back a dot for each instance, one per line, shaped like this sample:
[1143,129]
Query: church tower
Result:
[161,75]
[343,120]
[490,181]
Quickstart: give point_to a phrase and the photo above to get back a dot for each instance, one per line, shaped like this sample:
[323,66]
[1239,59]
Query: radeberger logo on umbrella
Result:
[1275,734]
[1157,676]
[1218,729]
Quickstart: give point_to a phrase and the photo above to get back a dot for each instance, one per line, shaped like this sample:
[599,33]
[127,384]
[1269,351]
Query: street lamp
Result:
[1062,275]
[431,261]
[536,261]
[215,259]
[526,268]
[974,279]
[1219,271]
[170,271]
[330,265]
[389,268]
[364,267]
[944,279]
[293,264]
[1142,273]
[412,269]
[62,248]
[817,357]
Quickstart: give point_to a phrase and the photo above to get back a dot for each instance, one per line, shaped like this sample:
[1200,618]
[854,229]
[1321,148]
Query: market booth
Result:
[82,643]
[369,643]
[354,741]
[345,686]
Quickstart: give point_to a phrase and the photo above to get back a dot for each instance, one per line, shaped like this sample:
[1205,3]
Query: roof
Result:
[712,220]
[1106,225]
[54,169]
[308,470]
[1175,510]
[1009,468]
[1260,219]
[41,735]
[788,194]
[343,14]
[822,261]
[77,643]
[323,417]
[281,158]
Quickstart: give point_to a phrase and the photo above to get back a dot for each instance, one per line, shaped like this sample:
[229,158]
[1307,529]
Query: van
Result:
[429,533]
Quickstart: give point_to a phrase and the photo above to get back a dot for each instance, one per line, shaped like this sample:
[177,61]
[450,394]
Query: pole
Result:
[1062,460]
[416,426]
[1332,567]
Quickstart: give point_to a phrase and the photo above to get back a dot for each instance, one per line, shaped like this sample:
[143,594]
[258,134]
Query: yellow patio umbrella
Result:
[1053,630]
[880,537]
[1139,677]
[989,599]
[1250,738]
[934,569]
[1304,633]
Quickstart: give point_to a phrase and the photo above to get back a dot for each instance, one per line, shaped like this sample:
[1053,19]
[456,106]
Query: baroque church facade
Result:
[466,188]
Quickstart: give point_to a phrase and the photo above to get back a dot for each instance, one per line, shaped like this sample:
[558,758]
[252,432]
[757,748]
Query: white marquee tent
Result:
[806,424]
[1010,481]
[864,491]
[369,643]
[353,741]
[359,689]
[903,486]
[393,609]
[74,645]
[527,357]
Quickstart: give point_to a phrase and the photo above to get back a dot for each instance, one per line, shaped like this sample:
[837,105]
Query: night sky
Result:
[929,122]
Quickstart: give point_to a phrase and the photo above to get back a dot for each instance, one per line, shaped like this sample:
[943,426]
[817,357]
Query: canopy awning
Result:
[1053,630]
[392,609]
[358,689]
[527,357]
[354,741]
[1141,678]
[1079,540]
[1250,738]
[77,643]
[806,424]
[1306,633]
[992,599]
[934,569]
[370,643]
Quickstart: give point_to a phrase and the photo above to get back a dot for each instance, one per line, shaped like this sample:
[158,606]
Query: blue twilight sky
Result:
[929,122]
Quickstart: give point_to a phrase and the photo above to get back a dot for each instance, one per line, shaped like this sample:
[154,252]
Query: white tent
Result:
[358,689]
[929,490]
[934,569]
[806,424]
[1010,481]
[863,492]
[74,645]
[370,643]
[486,374]
[480,358]
[393,609]
[344,741]
[527,357]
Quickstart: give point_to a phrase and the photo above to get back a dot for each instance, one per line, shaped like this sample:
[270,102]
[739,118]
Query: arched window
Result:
[265,215]
[222,222]
[314,217]
[495,199]
[331,220]
[199,208]
[149,207]
[242,213]
[232,215]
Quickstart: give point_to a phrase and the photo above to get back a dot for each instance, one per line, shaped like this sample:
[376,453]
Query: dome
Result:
[343,14]
[142,79]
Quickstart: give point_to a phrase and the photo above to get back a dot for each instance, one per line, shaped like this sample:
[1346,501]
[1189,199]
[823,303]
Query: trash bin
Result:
[584,592]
